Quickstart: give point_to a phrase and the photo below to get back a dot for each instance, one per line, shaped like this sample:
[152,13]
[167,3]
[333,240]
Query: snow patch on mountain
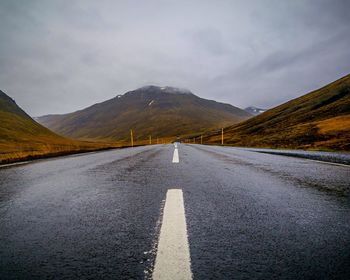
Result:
[254,110]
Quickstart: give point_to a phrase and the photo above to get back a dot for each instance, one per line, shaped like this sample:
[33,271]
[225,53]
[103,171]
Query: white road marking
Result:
[176,156]
[327,162]
[304,158]
[309,159]
[55,157]
[14,164]
[173,254]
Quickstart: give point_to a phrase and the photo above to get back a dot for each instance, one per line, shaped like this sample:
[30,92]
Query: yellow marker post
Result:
[222,136]
[150,140]
[132,138]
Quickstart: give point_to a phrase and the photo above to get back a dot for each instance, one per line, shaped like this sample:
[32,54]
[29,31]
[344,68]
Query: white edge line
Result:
[327,162]
[14,164]
[297,157]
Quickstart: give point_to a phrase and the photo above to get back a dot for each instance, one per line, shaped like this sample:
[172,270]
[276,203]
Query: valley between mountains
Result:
[318,120]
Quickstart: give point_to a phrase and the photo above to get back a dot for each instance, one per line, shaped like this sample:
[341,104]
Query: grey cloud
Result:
[287,58]
[211,40]
[60,56]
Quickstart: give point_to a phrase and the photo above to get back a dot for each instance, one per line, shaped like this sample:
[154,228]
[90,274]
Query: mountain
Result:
[317,120]
[254,110]
[23,138]
[150,110]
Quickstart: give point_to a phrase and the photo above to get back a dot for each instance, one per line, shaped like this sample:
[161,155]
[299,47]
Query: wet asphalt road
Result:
[249,215]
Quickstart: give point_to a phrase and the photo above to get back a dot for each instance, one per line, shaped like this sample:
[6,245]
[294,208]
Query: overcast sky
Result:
[61,56]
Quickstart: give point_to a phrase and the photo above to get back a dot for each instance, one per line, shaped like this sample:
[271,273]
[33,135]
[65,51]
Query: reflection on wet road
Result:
[249,215]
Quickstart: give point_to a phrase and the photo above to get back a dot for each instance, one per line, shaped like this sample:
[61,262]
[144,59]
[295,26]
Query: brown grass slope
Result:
[151,110]
[23,138]
[317,120]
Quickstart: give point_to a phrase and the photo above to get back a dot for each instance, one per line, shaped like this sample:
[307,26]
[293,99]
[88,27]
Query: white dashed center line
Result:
[173,253]
[176,154]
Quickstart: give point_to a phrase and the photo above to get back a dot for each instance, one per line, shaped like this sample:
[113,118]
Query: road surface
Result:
[212,212]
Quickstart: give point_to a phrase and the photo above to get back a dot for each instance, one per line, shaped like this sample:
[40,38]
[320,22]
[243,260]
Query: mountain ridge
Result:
[149,110]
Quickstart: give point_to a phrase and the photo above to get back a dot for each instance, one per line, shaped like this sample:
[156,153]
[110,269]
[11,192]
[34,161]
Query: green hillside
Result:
[23,138]
[317,120]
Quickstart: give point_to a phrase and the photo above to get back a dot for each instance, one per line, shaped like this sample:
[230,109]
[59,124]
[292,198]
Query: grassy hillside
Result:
[23,138]
[160,112]
[317,120]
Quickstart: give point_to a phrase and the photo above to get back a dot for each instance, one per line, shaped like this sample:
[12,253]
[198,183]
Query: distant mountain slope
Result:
[21,137]
[151,110]
[254,110]
[319,119]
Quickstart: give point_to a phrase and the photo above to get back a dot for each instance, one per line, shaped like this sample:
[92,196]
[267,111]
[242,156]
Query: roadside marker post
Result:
[201,139]
[150,140]
[222,136]
[132,138]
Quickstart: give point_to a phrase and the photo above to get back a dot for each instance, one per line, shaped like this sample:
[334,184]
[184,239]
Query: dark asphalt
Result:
[250,215]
